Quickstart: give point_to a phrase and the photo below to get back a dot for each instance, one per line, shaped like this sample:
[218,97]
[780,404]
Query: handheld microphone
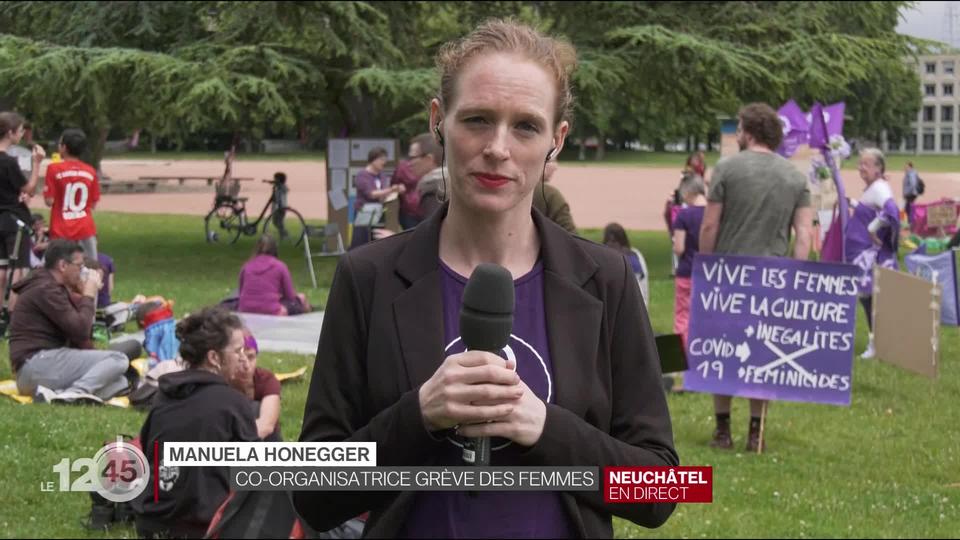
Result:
[486,320]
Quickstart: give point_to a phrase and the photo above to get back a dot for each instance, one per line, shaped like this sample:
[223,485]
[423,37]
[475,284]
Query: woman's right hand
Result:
[469,388]
[38,154]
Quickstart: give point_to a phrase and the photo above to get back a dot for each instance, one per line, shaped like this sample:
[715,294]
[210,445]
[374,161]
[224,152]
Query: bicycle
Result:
[12,258]
[228,219]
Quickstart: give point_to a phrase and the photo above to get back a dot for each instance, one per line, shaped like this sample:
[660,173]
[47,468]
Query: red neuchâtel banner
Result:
[658,484]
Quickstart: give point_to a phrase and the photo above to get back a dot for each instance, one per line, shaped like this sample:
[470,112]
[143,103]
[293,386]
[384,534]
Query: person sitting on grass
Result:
[615,236]
[39,240]
[196,404]
[105,261]
[262,386]
[50,333]
[266,286]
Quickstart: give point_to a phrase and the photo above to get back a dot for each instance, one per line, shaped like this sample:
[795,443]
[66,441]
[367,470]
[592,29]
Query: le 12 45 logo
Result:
[119,472]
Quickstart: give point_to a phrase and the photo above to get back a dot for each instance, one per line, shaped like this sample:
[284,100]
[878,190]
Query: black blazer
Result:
[382,338]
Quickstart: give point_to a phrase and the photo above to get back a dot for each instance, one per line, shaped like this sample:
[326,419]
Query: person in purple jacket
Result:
[266,286]
[872,232]
[578,382]
[372,187]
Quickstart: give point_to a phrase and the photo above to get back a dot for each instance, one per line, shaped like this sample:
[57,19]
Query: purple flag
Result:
[833,115]
[793,117]
[825,122]
[795,127]
[772,328]
[820,126]
[819,138]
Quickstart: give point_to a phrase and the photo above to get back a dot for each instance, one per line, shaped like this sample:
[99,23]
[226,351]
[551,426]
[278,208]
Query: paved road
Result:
[632,196]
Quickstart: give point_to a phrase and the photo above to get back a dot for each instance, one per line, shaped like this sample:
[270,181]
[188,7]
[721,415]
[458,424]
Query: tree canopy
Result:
[649,71]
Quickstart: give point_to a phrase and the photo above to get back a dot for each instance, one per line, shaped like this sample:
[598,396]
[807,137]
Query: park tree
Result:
[653,71]
[659,71]
[228,66]
[103,88]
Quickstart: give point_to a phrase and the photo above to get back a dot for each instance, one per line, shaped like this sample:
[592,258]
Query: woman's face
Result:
[245,367]
[379,164]
[498,131]
[869,170]
[232,356]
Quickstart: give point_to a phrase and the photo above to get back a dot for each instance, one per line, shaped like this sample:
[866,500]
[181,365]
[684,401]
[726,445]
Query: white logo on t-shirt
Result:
[75,195]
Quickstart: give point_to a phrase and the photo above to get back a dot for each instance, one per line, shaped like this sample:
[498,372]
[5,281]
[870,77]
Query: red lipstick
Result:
[491,181]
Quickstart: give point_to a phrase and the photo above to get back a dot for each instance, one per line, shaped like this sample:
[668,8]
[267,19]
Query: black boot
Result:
[721,436]
[101,513]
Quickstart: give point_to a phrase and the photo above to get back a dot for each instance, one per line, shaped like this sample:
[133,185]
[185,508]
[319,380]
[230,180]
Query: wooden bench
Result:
[275,146]
[182,179]
[149,184]
[127,186]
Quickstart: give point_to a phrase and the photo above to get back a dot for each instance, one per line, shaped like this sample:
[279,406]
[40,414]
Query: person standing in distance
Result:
[551,202]
[756,197]
[873,232]
[911,184]
[391,367]
[15,190]
[425,160]
[372,188]
[72,191]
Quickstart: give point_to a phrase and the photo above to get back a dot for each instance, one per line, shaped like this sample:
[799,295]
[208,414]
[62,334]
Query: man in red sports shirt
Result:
[72,191]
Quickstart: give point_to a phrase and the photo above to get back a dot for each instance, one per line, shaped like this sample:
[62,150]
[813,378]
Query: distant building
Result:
[936,129]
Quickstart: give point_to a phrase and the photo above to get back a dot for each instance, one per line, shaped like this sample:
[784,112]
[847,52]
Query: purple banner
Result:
[772,328]
[815,128]
[941,268]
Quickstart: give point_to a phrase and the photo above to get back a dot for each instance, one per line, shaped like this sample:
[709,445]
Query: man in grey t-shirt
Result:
[755,198]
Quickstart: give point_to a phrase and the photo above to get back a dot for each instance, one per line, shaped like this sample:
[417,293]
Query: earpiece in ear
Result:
[550,154]
[436,129]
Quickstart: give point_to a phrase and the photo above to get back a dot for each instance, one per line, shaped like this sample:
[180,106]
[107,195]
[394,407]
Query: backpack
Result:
[104,514]
[921,187]
[256,514]
[270,514]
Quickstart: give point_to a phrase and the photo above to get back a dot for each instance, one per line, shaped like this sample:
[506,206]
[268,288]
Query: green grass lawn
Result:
[888,466]
[895,162]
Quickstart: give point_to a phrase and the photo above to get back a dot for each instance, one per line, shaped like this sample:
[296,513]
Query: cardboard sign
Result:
[942,215]
[906,321]
[772,328]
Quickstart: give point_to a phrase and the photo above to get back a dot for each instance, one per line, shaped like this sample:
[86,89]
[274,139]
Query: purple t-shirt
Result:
[489,514]
[103,297]
[688,219]
[367,183]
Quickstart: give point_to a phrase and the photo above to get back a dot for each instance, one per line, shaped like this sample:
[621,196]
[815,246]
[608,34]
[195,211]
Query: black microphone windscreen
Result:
[486,315]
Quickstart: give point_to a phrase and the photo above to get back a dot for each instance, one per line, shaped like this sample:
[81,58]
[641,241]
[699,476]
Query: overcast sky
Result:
[927,21]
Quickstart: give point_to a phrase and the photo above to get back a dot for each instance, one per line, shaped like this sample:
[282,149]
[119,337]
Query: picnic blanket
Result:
[296,334]
[9,387]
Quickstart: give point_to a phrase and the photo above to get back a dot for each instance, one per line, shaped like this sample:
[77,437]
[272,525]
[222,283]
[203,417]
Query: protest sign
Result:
[906,321]
[942,269]
[942,215]
[772,328]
